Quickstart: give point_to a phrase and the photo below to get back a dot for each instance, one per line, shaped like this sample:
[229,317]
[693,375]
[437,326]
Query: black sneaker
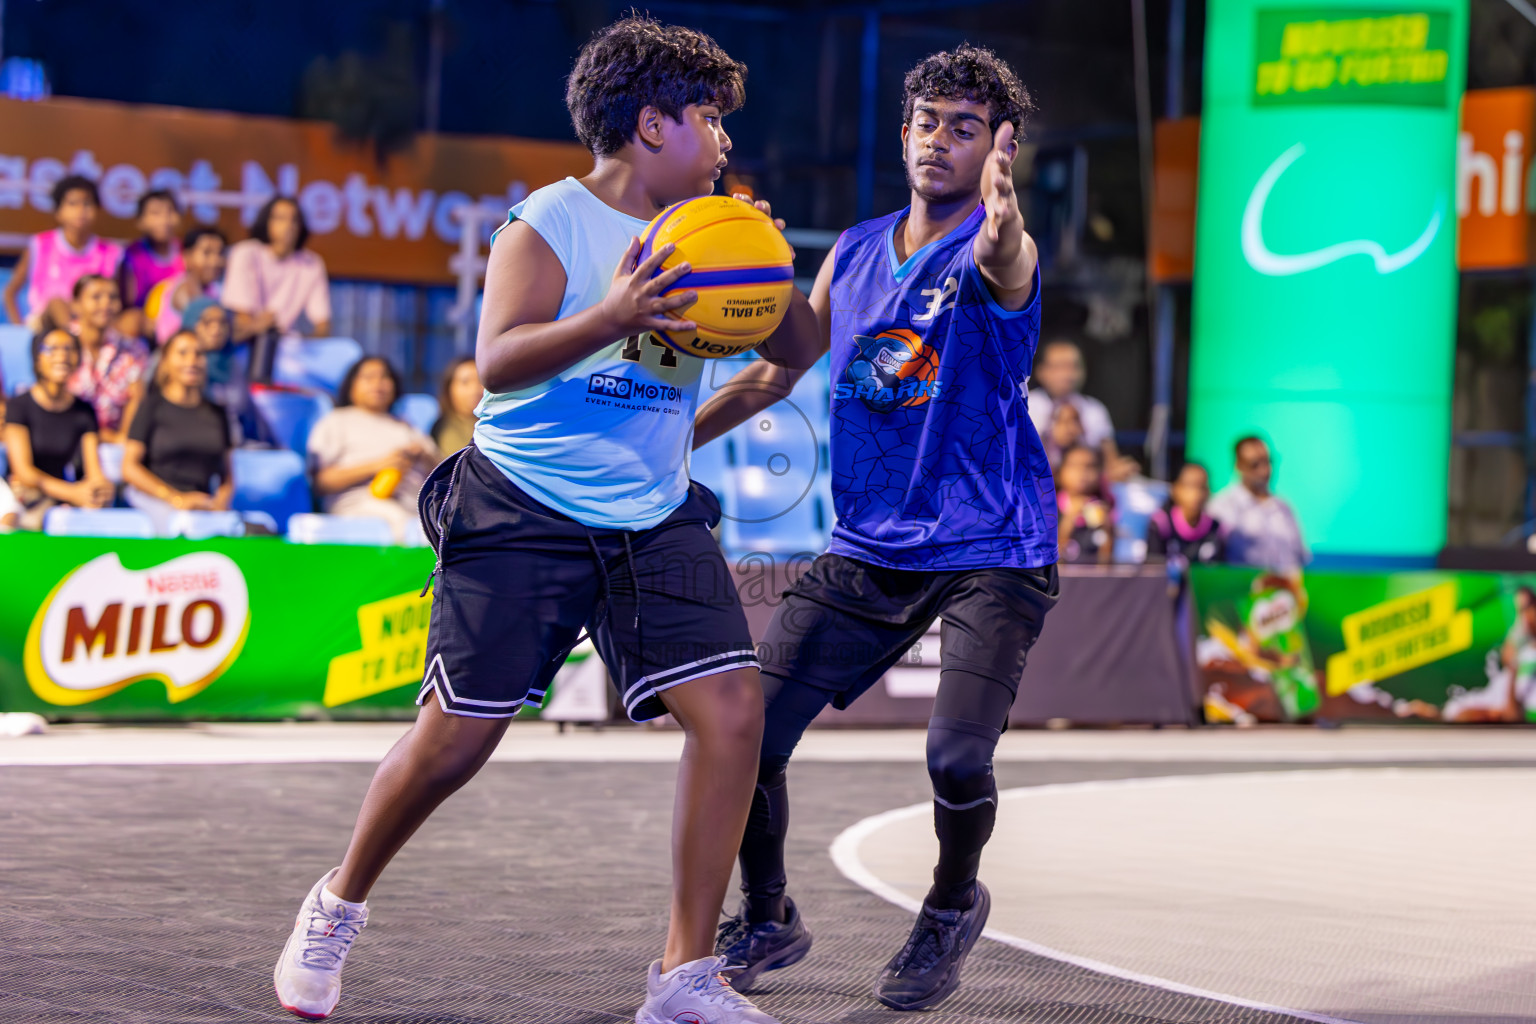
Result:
[927,969]
[761,946]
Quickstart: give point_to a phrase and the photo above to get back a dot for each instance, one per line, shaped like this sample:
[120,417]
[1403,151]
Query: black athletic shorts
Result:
[517,581]
[844,623]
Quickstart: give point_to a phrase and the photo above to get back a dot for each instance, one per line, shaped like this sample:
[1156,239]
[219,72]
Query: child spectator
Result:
[54,261]
[1183,532]
[457,398]
[50,436]
[1085,520]
[202,252]
[274,284]
[1065,431]
[112,367]
[367,462]
[177,453]
[156,254]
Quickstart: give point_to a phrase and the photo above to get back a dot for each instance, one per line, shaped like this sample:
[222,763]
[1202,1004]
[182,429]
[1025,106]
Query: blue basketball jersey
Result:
[935,463]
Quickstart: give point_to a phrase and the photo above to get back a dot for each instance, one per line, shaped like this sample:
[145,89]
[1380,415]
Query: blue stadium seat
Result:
[768,519]
[711,464]
[1135,501]
[16,358]
[63,521]
[111,457]
[289,414]
[195,525]
[318,363]
[420,411]
[270,482]
[415,536]
[310,528]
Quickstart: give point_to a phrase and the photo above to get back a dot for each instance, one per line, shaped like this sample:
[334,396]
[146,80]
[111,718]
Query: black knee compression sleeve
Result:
[964,805]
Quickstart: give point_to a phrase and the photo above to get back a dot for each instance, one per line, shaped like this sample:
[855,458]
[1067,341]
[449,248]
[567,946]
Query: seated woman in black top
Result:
[177,454]
[50,436]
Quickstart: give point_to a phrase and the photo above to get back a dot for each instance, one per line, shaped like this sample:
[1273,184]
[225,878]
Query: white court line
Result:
[845,855]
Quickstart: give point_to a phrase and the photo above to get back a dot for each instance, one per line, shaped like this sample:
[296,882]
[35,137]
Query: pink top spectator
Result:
[53,267]
[146,268]
[256,281]
[107,381]
[168,318]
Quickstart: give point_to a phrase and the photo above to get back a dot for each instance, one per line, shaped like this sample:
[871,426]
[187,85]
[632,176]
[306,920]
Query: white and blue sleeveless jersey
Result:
[605,441]
[935,463]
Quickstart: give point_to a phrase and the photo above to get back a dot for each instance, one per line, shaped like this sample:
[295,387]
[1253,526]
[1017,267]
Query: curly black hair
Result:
[638,62]
[75,183]
[973,73]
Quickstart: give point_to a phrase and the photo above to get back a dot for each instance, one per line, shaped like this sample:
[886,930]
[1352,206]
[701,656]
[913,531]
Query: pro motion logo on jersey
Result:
[893,369]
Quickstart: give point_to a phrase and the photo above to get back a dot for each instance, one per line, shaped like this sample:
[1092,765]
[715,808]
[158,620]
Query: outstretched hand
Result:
[997,192]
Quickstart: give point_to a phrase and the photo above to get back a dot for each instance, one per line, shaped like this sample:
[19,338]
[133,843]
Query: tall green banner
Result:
[1325,288]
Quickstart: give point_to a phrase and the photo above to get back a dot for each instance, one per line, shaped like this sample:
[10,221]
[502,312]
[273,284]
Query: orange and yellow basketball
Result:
[742,269]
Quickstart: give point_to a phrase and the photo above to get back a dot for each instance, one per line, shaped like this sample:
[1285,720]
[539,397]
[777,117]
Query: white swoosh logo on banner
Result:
[1262,259]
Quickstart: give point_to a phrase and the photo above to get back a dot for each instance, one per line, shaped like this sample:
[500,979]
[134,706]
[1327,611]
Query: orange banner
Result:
[392,220]
[1493,194]
[1492,178]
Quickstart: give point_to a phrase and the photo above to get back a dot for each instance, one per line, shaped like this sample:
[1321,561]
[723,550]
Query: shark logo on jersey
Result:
[893,368]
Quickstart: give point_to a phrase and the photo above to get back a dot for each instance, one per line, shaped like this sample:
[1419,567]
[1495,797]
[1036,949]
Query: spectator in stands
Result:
[1183,533]
[1261,526]
[54,261]
[456,399]
[209,323]
[1060,370]
[177,453]
[275,285]
[1085,519]
[112,366]
[203,251]
[366,461]
[156,254]
[1065,431]
[51,436]
[10,511]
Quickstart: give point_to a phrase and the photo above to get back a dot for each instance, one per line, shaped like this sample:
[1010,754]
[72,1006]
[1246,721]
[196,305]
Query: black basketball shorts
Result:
[845,623]
[517,581]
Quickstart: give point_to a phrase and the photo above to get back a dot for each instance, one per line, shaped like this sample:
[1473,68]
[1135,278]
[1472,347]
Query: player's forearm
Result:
[1008,264]
[743,396]
[785,357]
[530,354]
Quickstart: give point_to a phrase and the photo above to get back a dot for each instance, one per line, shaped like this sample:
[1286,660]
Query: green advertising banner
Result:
[1325,286]
[248,628]
[1428,646]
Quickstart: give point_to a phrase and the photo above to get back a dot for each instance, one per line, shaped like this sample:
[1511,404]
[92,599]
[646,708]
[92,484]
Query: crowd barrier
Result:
[259,628]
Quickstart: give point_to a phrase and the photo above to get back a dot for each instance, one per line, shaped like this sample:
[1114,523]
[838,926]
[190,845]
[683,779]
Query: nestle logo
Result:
[623,387]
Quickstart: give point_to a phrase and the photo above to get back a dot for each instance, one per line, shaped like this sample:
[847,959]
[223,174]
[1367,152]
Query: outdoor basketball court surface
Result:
[1379,876]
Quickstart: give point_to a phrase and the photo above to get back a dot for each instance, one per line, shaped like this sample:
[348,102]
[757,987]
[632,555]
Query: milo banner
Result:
[1427,646]
[254,628]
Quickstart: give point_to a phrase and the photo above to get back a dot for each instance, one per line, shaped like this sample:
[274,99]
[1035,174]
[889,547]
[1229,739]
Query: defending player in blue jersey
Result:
[944,508]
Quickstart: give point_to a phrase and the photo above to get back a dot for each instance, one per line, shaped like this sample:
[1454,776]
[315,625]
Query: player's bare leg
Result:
[439,754]
[722,717]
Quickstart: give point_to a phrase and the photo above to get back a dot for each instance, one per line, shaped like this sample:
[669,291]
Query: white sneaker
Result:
[308,974]
[696,993]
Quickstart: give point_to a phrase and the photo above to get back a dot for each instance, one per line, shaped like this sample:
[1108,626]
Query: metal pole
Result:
[1156,432]
[1167,298]
[869,83]
[434,91]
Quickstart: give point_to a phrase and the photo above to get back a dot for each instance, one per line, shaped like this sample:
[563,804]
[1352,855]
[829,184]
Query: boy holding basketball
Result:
[944,508]
[574,509]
